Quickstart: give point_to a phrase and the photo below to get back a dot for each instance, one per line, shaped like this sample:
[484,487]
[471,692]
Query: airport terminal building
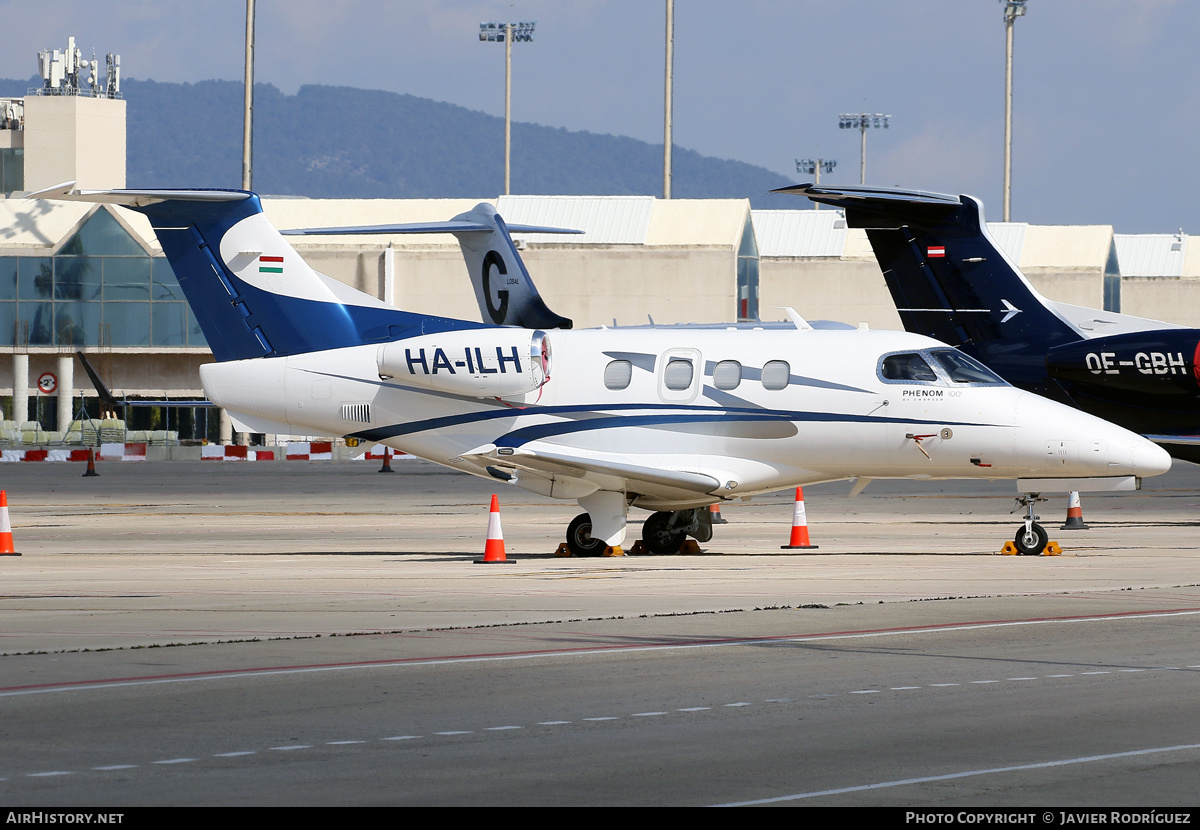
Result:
[92,278]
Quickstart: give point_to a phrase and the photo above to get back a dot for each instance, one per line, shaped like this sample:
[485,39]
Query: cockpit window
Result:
[962,369]
[907,367]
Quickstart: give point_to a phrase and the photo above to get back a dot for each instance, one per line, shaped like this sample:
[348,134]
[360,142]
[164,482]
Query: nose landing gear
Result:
[1031,538]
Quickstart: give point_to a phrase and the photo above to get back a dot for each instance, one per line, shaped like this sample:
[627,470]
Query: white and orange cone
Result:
[493,549]
[799,525]
[1074,513]
[6,539]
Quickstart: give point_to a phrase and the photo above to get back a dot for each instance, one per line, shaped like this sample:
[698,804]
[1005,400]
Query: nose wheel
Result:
[1031,538]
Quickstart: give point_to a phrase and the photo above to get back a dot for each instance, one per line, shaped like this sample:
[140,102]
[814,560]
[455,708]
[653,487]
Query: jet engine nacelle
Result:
[1162,362]
[485,363]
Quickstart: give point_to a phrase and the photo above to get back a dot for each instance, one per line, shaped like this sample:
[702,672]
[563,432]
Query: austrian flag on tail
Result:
[270,265]
[931,251]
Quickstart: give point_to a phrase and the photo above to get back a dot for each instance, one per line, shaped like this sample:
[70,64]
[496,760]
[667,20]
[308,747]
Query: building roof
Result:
[1009,237]
[41,226]
[800,233]
[604,220]
[1151,254]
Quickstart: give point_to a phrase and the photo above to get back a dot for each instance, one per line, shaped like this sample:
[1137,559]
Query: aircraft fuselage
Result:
[796,407]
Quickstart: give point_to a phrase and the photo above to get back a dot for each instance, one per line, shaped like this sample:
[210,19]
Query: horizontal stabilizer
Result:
[874,207]
[65,192]
[423,227]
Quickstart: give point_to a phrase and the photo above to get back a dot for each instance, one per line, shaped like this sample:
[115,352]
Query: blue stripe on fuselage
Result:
[601,419]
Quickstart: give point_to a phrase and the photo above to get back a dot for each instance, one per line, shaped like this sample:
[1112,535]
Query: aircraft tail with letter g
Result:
[503,288]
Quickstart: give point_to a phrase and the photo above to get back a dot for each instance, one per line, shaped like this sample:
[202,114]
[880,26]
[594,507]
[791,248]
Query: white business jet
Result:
[666,418]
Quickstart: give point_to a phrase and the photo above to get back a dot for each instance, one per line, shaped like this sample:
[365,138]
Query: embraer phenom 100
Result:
[670,418]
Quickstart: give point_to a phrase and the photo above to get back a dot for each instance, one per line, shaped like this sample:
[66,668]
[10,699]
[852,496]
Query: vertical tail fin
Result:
[950,280]
[503,288]
[252,294]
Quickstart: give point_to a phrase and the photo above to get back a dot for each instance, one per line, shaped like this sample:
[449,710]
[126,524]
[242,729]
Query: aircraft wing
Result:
[558,461]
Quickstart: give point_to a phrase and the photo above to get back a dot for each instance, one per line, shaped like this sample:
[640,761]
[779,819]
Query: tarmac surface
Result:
[317,633]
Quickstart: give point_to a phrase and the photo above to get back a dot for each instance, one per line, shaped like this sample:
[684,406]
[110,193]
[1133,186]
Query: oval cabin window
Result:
[775,375]
[617,374]
[727,374]
[678,374]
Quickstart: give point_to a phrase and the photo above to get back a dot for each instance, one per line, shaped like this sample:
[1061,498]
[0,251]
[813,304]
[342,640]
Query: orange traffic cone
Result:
[493,549]
[6,539]
[715,511]
[387,461]
[1074,513]
[799,525]
[91,467]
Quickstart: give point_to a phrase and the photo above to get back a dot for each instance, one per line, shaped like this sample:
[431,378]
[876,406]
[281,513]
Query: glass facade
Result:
[12,169]
[1112,281]
[101,288]
[747,275]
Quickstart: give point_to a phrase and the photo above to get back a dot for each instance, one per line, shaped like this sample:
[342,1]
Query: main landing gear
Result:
[664,532]
[1031,538]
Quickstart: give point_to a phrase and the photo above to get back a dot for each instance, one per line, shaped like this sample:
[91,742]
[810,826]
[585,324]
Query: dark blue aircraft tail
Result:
[252,294]
[950,280]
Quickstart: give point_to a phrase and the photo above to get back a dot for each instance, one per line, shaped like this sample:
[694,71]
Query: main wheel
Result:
[1033,541]
[659,537]
[579,537]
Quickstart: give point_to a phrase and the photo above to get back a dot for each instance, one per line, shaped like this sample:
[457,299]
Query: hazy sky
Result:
[1106,91]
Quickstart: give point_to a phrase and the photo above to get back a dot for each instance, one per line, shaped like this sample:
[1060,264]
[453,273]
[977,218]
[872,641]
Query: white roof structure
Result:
[1009,237]
[1151,254]
[800,233]
[604,220]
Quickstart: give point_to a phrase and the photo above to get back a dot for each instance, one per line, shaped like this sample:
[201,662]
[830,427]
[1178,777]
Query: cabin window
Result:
[678,374]
[907,367]
[727,374]
[775,375]
[617,374]
[962,369]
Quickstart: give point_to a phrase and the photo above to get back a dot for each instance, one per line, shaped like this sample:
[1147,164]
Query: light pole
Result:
[506,33]
[863,121]
[667,99]
[813,167]
[1012,10]
[248,116]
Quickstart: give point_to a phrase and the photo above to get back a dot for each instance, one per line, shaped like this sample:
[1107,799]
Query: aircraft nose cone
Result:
[1077,444]
[1150,459]
[1128,453]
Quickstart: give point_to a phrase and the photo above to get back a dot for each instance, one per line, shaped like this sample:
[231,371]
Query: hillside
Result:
[327,142]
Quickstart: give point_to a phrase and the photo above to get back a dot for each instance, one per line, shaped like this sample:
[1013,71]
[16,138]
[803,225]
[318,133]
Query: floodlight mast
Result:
[506,33]
[667,99]
[813,167]
[1012,10]
[863,121]
[248,117]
